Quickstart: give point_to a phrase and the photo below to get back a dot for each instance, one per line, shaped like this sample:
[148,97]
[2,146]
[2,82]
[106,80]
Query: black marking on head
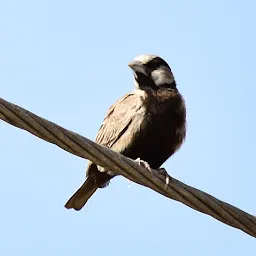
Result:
[156,63]
[157,73]
[144,81]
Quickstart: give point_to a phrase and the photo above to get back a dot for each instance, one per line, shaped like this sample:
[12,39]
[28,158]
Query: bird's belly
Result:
[158,140]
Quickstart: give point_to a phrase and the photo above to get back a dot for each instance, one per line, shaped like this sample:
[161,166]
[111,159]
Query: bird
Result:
[147,125]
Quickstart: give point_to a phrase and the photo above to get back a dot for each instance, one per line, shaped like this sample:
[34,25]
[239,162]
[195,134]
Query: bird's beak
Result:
[137,67]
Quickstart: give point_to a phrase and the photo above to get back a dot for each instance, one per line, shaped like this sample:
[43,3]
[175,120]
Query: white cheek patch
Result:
[162,75]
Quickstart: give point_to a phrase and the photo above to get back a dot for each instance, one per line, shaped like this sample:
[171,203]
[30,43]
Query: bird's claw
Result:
[160,170]
[143,164]
[167,177]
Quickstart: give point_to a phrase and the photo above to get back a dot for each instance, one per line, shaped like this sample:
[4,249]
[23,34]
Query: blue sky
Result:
[67,61]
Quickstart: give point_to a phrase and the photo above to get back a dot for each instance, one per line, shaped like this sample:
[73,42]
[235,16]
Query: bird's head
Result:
[151,71]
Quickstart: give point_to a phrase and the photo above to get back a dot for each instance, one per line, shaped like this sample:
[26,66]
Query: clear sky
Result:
[67,61]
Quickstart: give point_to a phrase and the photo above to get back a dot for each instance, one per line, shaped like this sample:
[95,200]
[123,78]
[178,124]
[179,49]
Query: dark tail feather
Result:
[79,199]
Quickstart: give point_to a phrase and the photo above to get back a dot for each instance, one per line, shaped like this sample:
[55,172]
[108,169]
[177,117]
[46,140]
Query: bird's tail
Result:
[79,199]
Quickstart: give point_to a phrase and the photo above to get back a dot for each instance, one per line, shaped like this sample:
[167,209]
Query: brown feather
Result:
[148,123]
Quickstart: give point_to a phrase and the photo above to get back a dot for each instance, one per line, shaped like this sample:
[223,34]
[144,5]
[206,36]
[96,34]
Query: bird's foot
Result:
[165,173]
[160,170]
[143,164]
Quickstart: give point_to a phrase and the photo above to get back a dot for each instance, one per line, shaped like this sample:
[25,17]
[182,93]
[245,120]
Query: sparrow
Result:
[147,124]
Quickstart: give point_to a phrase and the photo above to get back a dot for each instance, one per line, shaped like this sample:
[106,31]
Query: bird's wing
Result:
[122,123]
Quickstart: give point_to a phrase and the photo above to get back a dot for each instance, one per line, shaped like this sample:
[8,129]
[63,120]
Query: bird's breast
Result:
[162,130]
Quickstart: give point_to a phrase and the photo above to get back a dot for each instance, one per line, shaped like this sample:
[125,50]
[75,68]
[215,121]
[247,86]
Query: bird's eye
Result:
[156,63]
[153,65]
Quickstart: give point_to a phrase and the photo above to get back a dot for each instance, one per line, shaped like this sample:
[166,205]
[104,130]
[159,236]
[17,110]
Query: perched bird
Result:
[148,124]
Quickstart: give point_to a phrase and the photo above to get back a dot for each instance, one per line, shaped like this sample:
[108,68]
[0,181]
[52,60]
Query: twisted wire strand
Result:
[119,164]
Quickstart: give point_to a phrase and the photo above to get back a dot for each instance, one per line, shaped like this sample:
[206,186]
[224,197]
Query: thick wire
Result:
[119,164]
